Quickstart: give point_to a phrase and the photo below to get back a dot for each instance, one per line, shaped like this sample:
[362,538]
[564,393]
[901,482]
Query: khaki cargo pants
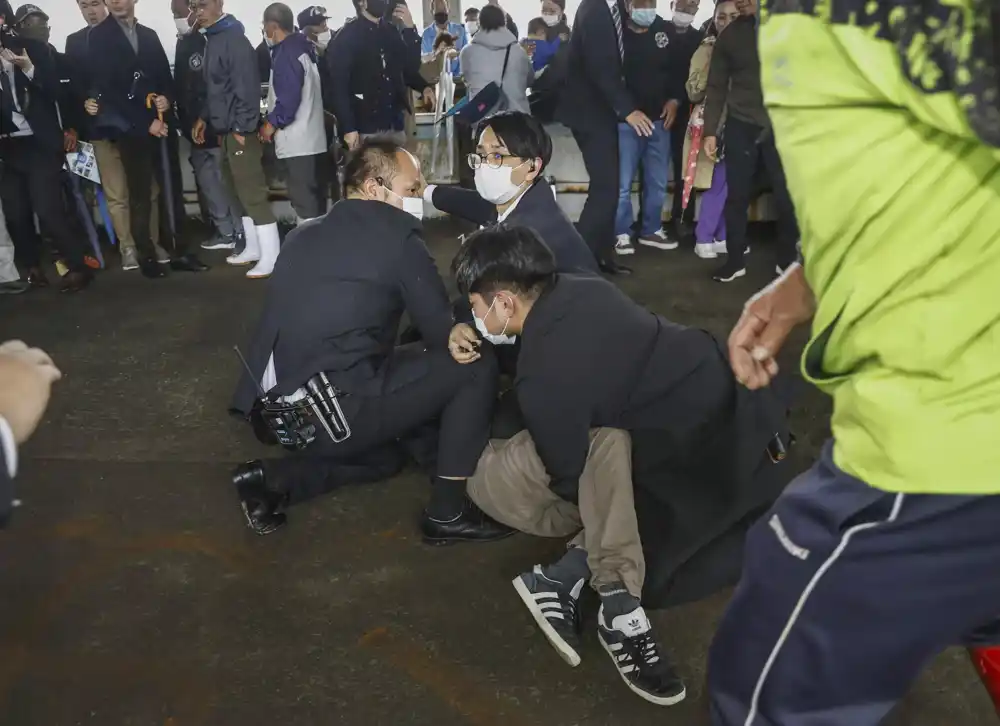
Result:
[512,486]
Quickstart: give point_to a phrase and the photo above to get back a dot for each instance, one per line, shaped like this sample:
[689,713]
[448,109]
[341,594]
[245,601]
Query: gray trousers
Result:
[225,211]
[307,184]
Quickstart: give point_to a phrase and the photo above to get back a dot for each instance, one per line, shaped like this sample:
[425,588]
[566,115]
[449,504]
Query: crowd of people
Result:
[541,398]
[641,98]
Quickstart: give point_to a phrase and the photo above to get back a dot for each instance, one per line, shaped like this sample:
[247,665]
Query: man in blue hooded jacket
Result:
[232,112]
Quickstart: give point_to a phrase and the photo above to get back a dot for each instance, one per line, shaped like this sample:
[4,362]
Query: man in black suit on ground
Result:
[333,305]
[592,103]
[510,160]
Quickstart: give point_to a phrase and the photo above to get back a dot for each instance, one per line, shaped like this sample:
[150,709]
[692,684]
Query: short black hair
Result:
[537,25]
[444,39]
[280,14]
[375,158]
[472,13]
[492,17]
[524,135]
[504,258]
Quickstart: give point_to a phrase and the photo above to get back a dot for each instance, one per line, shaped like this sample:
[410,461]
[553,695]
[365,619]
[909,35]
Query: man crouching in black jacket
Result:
[707,455]
[333,306]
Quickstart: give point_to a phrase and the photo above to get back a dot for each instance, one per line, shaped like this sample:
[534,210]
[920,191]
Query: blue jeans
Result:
[654,151]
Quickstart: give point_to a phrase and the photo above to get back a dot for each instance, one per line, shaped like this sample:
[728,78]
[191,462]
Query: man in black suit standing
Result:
[592,103]
[31,150]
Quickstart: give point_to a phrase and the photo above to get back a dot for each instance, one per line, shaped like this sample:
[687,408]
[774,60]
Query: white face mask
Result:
[495,185]
[323,39]
[682,20]
[471,27]
[410,205]
[183,28]
[414,206]
[494,338]
[551,20]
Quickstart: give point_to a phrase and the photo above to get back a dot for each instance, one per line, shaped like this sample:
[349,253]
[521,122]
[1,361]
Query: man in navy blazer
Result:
[593,101]
[127,65]
[519,148]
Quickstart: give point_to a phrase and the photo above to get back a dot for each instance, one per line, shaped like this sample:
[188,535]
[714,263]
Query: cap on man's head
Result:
[26,11]
[314,15]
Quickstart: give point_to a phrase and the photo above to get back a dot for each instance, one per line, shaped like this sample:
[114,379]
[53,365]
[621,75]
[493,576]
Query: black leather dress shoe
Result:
[187,263]
[611,267]
[261,506]
[151,268]
[76,281]
[472,525]
[37,278]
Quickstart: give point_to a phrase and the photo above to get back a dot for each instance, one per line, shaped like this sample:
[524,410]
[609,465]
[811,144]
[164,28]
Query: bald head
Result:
[380,169]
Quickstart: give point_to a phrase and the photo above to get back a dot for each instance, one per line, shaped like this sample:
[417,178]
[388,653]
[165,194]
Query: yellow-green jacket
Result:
[887,118]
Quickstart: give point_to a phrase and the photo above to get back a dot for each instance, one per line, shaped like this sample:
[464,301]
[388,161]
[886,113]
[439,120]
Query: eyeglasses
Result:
[493,161]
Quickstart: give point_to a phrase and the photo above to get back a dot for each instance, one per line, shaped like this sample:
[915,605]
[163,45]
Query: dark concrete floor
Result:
[134,595]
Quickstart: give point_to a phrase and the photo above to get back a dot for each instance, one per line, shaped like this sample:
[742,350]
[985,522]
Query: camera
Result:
[7,35]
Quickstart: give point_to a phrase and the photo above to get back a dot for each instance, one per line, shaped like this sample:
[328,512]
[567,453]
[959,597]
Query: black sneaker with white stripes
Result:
[629,641]
[555,607]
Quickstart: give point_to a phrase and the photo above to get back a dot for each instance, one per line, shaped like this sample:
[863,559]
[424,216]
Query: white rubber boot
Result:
[270,244]
[250,253]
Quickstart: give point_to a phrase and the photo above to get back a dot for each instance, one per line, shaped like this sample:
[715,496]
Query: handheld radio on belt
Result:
[290,420]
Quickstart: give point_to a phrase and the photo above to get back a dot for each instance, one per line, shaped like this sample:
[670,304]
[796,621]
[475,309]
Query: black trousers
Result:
[599,147]
[307,184]
[31,184]
[421,387]
[140,158]
[747,145]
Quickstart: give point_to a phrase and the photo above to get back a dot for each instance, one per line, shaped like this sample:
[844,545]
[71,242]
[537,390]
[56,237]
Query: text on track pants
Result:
[847,593]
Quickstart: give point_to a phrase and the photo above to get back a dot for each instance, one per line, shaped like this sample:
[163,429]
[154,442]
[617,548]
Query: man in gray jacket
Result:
[232,112]
[495,56]
[294,120]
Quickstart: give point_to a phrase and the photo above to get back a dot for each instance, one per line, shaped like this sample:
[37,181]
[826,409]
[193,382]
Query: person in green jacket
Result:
[886,115]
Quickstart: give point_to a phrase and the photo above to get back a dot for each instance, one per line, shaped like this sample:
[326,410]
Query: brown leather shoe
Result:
[76,281]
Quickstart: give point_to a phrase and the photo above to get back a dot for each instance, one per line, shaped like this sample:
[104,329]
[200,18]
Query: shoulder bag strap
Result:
[506,58]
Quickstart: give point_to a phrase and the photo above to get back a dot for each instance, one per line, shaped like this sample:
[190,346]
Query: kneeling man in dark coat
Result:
[637,439]
[333,307]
